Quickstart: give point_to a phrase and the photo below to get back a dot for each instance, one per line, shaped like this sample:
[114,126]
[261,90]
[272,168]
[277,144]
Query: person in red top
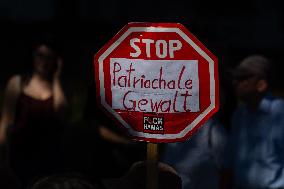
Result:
[30,121]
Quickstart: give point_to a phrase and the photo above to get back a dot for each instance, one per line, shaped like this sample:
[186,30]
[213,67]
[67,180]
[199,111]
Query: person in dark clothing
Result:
[113,151]
[31,117]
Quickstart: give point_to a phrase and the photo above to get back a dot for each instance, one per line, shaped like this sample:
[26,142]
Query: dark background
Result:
[230,29]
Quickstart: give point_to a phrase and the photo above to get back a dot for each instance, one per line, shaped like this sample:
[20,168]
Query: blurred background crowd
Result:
[52,130]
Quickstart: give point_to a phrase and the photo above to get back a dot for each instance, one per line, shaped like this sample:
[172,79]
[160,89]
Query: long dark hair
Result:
[47,40]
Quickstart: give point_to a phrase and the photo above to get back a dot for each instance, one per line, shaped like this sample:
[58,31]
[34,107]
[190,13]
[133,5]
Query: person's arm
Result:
[219,143]
[58,94]
[111,136]
[11,94]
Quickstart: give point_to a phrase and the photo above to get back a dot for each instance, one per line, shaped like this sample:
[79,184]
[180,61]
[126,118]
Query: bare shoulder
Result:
[14,79]
[14,84]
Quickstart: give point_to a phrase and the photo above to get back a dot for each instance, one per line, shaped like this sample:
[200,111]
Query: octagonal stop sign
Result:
[157,81]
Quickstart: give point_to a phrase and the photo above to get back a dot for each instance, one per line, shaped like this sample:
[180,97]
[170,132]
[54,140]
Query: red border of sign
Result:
[161,25]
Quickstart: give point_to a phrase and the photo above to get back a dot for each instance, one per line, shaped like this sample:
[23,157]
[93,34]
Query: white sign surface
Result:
[161,86]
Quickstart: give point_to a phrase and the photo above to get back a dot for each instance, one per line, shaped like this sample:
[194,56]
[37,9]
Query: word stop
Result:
[162,48]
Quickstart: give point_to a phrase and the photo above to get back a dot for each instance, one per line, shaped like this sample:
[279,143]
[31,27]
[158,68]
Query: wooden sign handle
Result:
[152,166]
